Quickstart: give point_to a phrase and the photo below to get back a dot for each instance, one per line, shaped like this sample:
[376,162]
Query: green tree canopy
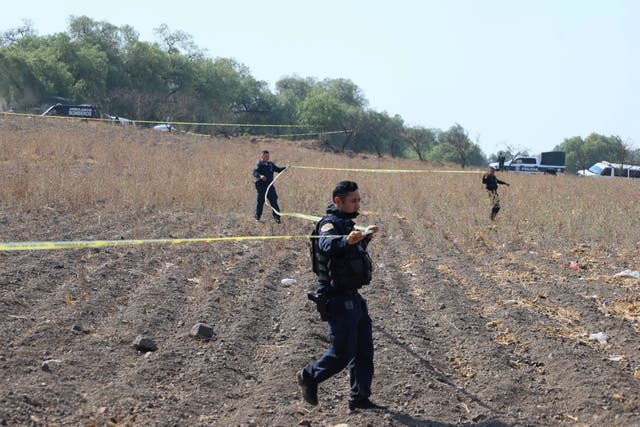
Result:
[173,79]
[581,154]
[421,140]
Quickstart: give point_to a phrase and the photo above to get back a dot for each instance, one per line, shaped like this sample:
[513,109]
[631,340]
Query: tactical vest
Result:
[350,271]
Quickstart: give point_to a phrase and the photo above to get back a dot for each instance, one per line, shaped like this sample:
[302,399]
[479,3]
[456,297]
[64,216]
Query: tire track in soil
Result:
[244,302]
[287,334]
[64,309]
[254,335]
[417,373]
[159,306]
[113,300]
[540,317]
[452,344]
[209,382]
[429,326]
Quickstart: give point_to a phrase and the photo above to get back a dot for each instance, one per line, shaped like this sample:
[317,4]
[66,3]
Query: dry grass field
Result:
[475,323]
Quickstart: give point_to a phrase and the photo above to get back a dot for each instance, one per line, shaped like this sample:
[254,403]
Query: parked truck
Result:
[606,169]
[550,162]
[87,111]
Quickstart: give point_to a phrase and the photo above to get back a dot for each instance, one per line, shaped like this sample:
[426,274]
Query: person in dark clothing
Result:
[343,266]
[490,180]
[263,174]
[501,159]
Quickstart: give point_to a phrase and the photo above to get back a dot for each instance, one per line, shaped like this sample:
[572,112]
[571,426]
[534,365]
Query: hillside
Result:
[475,323]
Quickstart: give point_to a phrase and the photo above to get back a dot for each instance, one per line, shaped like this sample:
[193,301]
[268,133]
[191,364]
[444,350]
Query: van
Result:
[86,111]
[611,170]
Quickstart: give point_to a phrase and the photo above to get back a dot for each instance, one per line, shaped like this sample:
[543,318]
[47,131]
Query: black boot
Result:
[364,404]
[309,389]
[494,213]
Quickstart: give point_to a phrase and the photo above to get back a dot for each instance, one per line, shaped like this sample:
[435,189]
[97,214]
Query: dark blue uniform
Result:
[266,169]
[342,269]
[491,183]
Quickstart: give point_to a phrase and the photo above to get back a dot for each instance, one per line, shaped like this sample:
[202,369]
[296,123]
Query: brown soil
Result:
[462,338]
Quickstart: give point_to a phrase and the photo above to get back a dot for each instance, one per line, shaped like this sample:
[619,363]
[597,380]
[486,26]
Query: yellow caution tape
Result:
[311,133]
[386,170]
[83,244]
[216,124]
[310,218]
[36,246]
[295,214]
[134,121]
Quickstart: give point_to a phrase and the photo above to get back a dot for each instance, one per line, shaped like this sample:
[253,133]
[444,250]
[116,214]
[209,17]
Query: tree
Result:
[178,42]
[345,91]
[397,146]
[290,93]
[97,62]
[14,35]
[457,142]
[323,111]
[144,93]
[113,41]
[594,148]
[420,140]
[41,59]
[376,132]
[621,151]
[19,87]
[577,157]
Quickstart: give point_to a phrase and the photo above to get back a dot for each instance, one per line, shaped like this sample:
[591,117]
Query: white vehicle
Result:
[121,120]
[164,128]
[611,170]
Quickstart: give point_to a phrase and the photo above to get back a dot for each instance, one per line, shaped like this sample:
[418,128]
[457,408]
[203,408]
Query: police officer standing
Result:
[263,174]
[343,266]
[501,159]
[491,182]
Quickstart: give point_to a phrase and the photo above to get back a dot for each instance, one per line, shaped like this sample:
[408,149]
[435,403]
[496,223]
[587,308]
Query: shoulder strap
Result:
[313,249]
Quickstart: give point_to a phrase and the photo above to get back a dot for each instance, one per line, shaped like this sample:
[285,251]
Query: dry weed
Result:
[70,165]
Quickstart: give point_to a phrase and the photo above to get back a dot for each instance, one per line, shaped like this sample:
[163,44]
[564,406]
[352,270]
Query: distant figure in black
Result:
[263,174]
[491,182]
[501,159]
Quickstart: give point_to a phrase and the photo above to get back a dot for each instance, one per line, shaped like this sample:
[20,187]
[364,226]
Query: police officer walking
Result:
[343,266]
[491,182]
[263,174]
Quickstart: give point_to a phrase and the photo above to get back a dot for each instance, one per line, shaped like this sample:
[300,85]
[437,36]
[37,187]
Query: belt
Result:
[347,292]
[338,291]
